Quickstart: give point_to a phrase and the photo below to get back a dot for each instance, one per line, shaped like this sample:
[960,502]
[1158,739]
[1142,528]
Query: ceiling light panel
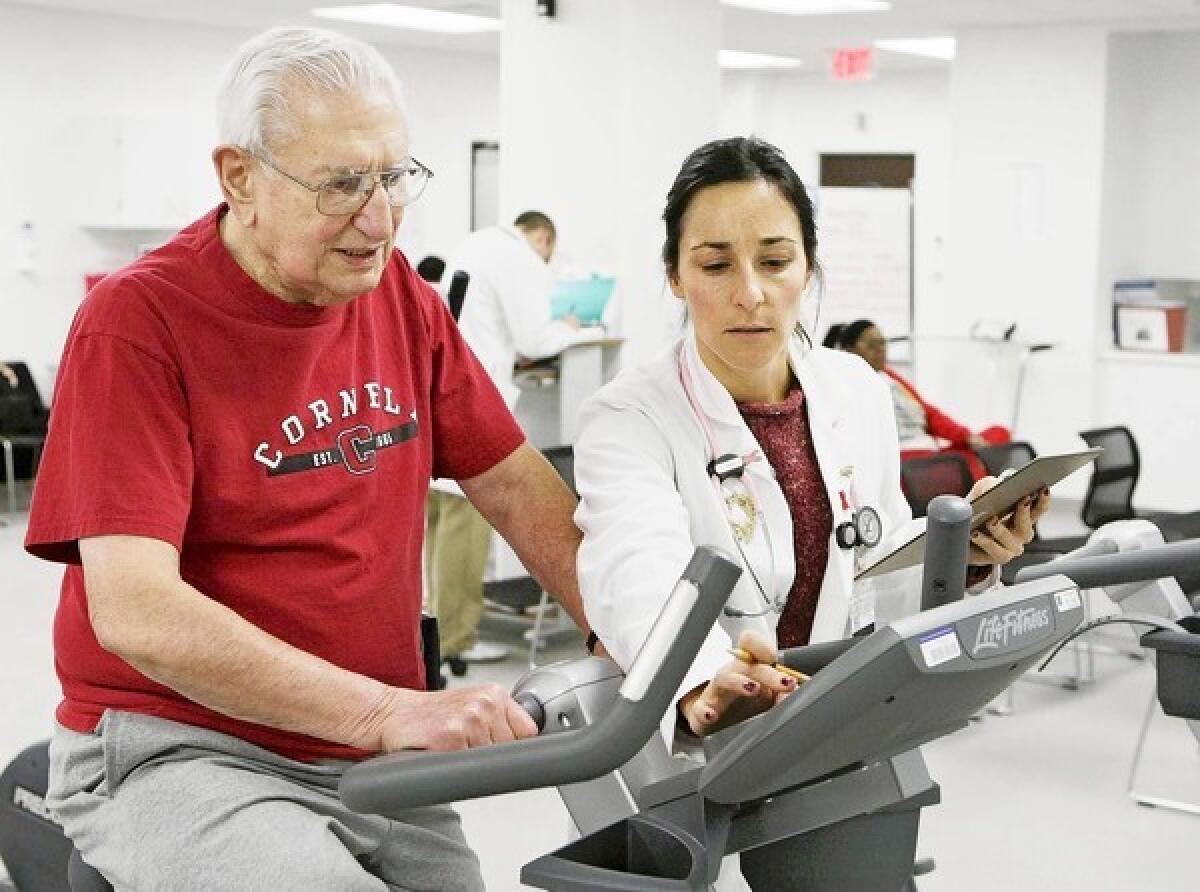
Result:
[411,18]
[811,7]
[942,48]
[744,61]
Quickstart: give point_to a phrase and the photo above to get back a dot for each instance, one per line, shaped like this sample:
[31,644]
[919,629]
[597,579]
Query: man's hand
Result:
[1001,539]
[456,719]
[739,690]
[146,614]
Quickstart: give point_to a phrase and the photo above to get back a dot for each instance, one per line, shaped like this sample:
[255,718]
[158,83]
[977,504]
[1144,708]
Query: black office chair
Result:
[924,478]
[431,269]
[1003,457]
[1110,493]
[22,414]
[457,292]
[562,458]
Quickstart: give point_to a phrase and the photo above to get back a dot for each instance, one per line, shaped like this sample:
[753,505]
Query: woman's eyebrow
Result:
[768,240]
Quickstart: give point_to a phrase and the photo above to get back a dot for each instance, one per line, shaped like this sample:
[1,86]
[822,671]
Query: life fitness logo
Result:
[997,630]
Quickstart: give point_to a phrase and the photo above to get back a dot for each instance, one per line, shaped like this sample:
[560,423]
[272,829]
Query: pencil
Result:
[746,657]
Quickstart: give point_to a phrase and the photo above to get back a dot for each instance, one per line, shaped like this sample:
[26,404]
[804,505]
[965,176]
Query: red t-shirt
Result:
[285,450]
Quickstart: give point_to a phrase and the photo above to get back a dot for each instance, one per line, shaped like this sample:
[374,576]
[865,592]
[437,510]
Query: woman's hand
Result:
[738,691]
[1003,538]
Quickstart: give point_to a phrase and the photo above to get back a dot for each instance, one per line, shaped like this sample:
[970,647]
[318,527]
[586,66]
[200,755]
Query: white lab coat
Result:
[647,499]
[506,311]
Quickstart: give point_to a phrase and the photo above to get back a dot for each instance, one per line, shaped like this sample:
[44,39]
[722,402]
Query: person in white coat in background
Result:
[744,436]
[505,315]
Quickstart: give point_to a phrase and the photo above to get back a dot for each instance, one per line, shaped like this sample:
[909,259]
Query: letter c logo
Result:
[357,445]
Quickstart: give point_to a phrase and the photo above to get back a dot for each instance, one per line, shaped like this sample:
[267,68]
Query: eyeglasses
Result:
[348,193]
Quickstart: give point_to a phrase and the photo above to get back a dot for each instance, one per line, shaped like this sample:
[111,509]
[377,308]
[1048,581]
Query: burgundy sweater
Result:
[783,433]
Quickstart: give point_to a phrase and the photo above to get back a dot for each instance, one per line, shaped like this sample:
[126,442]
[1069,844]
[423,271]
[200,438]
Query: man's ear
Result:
[236,176]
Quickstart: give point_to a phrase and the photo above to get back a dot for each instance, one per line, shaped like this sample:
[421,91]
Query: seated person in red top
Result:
[244,429]
[922,427]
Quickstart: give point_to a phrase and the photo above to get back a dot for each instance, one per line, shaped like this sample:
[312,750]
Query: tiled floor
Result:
[1032,801]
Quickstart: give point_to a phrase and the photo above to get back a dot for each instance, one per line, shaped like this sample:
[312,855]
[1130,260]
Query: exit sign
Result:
[852,64]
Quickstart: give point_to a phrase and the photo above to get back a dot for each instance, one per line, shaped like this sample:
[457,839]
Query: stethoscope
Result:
[742,513]
[863,530]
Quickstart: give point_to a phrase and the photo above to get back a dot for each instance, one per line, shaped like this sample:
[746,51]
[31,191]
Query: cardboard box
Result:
[1157,314]
[1152,328]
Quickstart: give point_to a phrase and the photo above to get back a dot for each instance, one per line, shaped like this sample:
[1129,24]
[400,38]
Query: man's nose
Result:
[377,218]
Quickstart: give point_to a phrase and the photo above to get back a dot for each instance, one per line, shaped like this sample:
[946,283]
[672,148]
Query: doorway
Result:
[485,184]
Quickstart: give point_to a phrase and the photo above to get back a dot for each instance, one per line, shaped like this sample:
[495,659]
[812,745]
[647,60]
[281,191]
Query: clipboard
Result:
[1045,470]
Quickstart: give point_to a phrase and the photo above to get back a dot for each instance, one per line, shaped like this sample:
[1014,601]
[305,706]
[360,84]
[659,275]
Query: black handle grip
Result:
[529,702]
[947,541]
[457,293]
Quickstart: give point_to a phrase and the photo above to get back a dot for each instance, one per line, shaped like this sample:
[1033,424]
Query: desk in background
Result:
[552,391]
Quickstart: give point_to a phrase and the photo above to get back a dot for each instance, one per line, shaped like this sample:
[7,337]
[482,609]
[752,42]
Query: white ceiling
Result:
[806,37]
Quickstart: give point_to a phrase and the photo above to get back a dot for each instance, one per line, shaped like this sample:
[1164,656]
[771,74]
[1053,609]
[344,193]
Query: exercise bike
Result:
[845,745]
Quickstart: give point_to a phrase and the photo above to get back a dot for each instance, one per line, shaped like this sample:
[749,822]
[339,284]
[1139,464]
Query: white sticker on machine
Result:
[940,647]
[1067,599]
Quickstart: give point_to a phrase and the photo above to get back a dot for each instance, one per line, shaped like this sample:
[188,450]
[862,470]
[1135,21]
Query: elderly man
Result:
[244,428]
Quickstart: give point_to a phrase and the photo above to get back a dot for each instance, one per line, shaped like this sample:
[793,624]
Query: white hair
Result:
[253,100]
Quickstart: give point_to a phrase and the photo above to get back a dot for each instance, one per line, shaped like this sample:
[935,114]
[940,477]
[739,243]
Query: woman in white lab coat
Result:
[744,436]
[669,455]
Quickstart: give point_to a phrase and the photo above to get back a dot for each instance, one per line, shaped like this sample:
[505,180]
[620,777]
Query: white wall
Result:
[598,113]
[900,112]
[69,81]
[1047,166]
[1151,227]
[1027,115]
[1027,109]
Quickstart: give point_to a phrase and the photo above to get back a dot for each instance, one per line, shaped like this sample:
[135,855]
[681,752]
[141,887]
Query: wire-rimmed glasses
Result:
[348,193]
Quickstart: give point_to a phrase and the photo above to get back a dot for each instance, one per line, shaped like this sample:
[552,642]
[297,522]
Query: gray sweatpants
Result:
[155,805]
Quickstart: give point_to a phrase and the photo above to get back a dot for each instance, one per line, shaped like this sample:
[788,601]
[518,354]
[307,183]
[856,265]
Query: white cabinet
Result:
[142,175]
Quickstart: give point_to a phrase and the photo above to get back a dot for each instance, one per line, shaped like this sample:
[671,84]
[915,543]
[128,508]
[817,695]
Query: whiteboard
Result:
[864,244]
